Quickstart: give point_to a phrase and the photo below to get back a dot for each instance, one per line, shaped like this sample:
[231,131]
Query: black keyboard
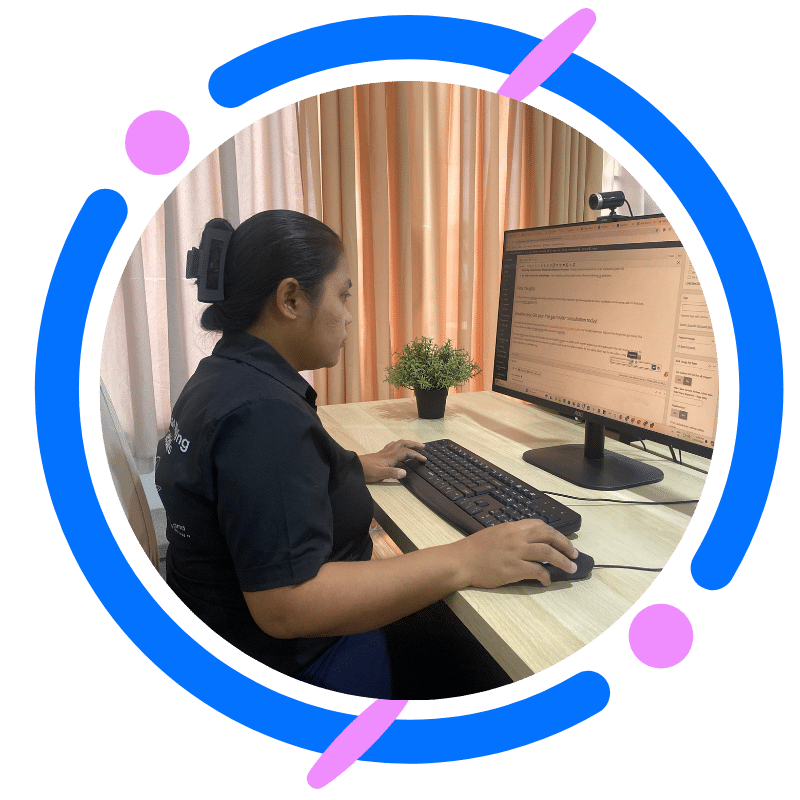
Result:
[470,493]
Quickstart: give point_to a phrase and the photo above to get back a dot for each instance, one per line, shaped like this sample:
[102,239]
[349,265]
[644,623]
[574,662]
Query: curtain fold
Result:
[616,178]
[419,179]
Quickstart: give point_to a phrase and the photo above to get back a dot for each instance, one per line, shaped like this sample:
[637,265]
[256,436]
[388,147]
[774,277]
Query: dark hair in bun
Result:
[263,251]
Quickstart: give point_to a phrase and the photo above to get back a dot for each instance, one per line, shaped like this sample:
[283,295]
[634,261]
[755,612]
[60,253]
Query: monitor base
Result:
[612,471]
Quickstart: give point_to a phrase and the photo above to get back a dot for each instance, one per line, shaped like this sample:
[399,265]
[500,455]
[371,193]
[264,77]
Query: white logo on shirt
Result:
[180,530]
[174,435]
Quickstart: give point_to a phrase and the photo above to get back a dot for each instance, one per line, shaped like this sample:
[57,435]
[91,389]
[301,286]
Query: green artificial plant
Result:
[422,364]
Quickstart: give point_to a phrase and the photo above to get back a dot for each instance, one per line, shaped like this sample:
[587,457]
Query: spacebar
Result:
[436,501]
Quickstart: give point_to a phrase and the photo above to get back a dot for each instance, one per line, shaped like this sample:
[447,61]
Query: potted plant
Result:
[430,370]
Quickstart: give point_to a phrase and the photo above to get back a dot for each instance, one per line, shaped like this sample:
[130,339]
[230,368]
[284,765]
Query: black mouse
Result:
[584,562]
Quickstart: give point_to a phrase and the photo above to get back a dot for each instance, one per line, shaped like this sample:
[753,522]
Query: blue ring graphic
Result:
[58,417]
[145,622]
[652,135]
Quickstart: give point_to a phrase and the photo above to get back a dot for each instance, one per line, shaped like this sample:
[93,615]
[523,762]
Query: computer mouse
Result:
[584,562]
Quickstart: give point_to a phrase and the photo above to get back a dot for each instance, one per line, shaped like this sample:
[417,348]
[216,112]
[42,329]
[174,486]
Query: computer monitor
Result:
[608,318]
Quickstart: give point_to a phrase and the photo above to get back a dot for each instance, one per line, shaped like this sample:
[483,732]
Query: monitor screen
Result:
[608,318]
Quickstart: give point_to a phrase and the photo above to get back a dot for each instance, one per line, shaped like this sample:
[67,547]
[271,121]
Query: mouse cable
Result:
[621,566]
[626,502]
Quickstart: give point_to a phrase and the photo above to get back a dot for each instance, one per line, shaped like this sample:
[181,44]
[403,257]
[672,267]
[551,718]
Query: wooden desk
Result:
[527,628]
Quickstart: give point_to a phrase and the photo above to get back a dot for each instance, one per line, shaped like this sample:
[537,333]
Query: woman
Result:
[268,517]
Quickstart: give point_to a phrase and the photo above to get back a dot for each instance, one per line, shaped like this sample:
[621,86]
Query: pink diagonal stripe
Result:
[354,741]
[548,55]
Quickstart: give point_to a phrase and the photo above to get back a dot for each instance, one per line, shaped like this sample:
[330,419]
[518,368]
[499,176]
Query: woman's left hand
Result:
[383,465]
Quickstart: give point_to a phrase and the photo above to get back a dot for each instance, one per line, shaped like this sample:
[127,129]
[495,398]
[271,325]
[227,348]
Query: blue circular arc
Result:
[359,41]
[665,148]
[154,631]
[58,414]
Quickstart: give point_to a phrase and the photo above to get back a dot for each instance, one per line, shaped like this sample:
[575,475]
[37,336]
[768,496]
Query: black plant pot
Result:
[431,403]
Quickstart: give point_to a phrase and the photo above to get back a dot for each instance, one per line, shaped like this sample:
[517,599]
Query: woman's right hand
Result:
[513,551]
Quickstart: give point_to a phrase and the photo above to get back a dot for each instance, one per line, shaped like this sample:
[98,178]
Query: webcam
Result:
[609,200]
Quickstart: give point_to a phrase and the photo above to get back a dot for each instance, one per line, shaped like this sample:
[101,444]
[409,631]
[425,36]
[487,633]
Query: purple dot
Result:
[157,142]
[661,636]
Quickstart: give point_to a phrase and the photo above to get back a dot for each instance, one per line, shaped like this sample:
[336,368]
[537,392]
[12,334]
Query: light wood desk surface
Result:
[526,628]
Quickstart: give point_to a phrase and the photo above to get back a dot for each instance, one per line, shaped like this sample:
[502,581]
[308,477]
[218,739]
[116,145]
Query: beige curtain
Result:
[617,179]
[419,179]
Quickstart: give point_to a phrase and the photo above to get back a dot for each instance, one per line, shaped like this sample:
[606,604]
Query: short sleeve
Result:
[272,467]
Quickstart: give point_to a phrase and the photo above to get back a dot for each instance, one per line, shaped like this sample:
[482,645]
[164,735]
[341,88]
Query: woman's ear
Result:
[290,299]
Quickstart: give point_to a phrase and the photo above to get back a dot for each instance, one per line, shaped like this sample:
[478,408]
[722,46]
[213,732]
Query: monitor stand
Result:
[591,466]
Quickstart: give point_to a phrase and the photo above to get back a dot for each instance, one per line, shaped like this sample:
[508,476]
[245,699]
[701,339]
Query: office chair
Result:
[126,478]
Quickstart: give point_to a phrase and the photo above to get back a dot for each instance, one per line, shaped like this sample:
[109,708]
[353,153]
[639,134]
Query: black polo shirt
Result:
[257,494]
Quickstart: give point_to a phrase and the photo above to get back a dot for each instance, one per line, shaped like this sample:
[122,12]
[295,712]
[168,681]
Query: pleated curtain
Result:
[419,179]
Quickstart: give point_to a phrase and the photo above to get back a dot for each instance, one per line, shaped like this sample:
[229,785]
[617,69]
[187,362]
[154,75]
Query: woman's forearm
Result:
[354,596]
[350,597]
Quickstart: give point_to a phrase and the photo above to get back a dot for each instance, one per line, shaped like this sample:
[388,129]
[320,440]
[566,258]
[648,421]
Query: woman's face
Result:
[328,328]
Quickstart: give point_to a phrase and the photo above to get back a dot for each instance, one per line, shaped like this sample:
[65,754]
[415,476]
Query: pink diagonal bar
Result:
[548,55]
[354,741]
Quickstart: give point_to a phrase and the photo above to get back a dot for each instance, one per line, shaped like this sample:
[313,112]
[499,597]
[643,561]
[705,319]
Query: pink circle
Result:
[157,142]
[661,636]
